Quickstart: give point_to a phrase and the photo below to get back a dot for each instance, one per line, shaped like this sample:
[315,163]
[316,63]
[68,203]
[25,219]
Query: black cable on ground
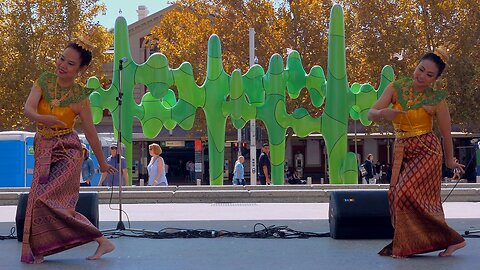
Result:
[471,234]
[10,236]
[271,232]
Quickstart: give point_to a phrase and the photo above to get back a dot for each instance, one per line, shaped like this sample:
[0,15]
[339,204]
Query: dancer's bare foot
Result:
[449,251]
[104,247]
[38,259]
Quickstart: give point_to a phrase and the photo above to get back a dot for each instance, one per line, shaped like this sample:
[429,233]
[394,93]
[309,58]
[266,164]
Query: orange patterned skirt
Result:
[415,201]
[51,223]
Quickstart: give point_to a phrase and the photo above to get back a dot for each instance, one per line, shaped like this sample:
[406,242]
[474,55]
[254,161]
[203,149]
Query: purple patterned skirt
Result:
[51,223]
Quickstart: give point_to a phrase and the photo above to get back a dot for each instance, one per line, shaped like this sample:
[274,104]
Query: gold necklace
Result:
[413,100]
[56,101]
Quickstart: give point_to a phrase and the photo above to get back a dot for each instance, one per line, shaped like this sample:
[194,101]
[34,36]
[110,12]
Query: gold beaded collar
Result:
[59,96]
[410,100]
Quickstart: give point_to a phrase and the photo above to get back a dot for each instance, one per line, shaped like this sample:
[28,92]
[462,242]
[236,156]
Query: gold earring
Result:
[440,84]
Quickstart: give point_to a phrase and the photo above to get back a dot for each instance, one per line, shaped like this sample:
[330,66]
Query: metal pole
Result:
[327,178]
[355,137]
[239,139]
[25,162]
[388,149]
[253,125]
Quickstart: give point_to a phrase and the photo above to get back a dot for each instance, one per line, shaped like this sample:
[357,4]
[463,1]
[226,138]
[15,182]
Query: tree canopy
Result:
[378,33]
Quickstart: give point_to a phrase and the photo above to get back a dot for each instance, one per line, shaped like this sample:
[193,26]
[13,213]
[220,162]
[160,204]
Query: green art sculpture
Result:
[254,95]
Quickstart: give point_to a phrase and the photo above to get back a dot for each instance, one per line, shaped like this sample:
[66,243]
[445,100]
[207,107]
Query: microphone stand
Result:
[120,225]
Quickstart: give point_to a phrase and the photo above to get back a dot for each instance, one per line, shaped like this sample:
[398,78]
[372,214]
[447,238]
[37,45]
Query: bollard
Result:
[142,182]
[322,181]
[309,180]
[199,182]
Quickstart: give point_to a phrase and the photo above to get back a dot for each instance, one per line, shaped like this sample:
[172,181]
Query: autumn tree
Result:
[32,34]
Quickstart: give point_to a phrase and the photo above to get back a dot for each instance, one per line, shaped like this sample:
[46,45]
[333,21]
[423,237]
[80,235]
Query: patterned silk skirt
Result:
[51,223]
[415,201]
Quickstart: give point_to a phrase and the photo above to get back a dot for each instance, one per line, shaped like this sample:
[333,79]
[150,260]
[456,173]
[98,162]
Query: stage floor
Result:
[240,253]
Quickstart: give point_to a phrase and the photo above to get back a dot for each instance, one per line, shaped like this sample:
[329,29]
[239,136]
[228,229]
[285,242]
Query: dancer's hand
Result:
[105,168]
[389,114]
[453,164]
[50,120]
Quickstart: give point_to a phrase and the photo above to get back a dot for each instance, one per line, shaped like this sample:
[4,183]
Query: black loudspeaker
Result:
[360,214]
[87,205]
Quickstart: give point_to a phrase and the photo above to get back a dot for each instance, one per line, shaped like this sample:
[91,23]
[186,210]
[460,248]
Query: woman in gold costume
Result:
[414,195]
[51,223]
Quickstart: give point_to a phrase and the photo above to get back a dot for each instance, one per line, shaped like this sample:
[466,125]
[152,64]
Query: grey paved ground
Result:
[237,253]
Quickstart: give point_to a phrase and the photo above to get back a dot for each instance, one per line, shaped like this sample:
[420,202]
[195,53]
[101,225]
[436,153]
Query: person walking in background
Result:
[156,167]
[166,168]
[191,170]
[377,172]
[238,172]
[414,195]
[55,101]
[187,175]
[369,167]
[287,176]
[388,176]
[181,169]
[88,169]
[264,166]
[113,160]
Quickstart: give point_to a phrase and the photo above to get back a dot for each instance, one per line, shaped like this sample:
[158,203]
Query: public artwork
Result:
[223,95]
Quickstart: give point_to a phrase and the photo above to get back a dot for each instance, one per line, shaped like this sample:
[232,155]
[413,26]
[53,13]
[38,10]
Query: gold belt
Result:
[48,132]
[400,134]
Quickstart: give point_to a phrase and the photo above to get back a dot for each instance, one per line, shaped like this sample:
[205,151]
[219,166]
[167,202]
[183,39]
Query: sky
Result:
[129,10]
